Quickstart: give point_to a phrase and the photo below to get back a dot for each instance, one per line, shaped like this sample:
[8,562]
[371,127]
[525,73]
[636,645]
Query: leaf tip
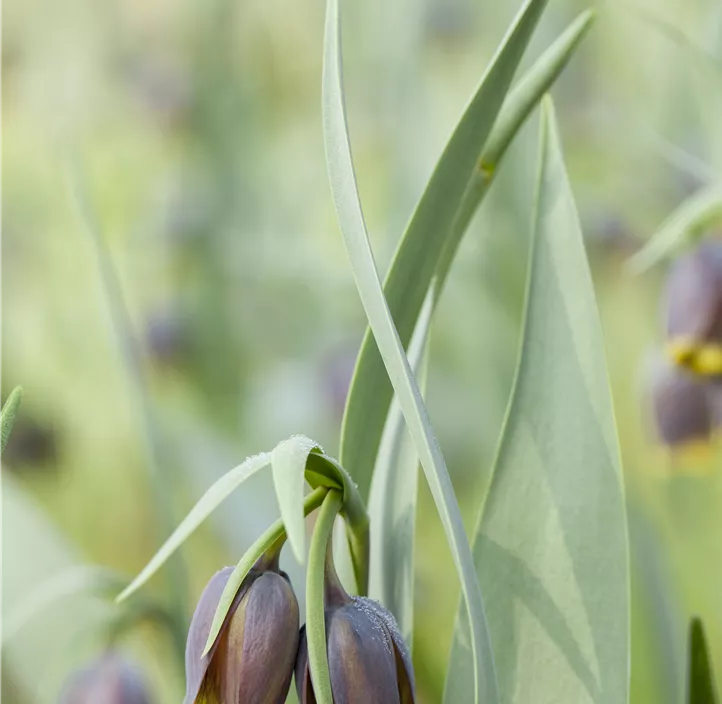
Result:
[120,598]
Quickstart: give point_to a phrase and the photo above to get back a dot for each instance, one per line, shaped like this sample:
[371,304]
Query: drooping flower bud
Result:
[367,658]
[694,310]
[111,679]
[253,657]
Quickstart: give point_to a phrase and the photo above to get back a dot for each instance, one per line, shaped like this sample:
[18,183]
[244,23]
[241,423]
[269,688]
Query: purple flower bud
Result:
[253,657]
[367,658]
[682,405]
[694,310]
[111,679]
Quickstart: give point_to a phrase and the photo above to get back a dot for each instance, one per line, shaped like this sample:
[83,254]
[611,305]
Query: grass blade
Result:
[700,679]
[392,502]
[214,496]
[288,462]
[551,546]
[451,198]
[348,207]
[682,227]
[7,416]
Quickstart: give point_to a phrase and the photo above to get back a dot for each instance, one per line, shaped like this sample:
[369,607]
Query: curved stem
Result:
[334,592]
[353,510]
[315,617]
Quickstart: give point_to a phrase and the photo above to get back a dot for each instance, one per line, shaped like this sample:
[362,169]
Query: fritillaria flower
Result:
[367,657]
[252,659]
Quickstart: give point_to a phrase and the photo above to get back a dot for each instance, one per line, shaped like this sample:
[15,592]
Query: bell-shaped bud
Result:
[367,658]
[694,310]
[682,406]
[111,679]
[253,657]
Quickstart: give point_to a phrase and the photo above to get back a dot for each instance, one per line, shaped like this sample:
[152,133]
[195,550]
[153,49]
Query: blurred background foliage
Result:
[197,129]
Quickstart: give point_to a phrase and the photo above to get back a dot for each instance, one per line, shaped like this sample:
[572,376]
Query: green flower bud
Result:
[252,659]
[111,679]
[367,658]
[694,310]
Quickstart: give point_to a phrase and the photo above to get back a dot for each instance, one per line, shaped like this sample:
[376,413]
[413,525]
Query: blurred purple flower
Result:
[111,680]
[694,310]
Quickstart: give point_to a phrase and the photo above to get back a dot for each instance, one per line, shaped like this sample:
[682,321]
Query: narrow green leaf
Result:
[214,496]
[288,461]
[392,502]
[682,228]
[350,215]
[514,112]
[458,185]
[701,687]
[77,579]
[273,534]
[551,547]
[315,616]
[7,416]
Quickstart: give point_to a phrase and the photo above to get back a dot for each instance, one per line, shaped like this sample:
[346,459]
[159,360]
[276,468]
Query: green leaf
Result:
[7,416]
[551,547]
[700,679]
[392,502]
[214,496]
[298,459]
[348,207]
[460,180]
[514,112]
[288,461]
[682,228]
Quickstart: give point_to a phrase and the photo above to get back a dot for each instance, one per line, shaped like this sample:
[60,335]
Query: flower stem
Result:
[315,617]
[353,510]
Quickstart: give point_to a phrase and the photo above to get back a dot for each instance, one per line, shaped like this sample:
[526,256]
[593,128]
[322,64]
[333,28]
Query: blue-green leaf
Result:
[682,228]
[701,687]
[209,502]
[551,547]
[459,183]
[288,461]
[392,502]
[7,416]
[350,215]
